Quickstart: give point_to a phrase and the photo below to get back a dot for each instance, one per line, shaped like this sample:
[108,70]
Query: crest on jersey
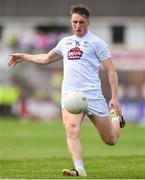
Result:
[74,53]
[77,43]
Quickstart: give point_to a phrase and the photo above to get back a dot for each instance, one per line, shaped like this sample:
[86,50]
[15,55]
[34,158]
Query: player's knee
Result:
[72,130]
[110,141]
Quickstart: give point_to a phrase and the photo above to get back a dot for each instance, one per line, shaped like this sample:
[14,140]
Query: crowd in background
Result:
[15,103]
[40,39]
[9,95]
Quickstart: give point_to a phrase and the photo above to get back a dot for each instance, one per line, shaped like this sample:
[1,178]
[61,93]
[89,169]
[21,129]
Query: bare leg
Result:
[108,130]
[72,123]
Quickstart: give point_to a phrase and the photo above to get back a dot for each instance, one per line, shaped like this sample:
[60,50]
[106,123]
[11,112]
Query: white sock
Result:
[79,166]
[116,118]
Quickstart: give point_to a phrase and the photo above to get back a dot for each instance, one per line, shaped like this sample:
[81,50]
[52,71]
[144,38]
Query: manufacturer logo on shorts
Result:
[74,53]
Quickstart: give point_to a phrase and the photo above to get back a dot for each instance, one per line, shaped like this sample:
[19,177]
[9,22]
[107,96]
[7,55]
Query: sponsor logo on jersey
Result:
[74,53]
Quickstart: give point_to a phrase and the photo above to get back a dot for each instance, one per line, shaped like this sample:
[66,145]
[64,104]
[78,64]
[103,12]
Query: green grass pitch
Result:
[36,150]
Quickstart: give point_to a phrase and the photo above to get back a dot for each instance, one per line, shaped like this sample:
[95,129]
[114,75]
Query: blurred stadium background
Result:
[32,92]
[35,26]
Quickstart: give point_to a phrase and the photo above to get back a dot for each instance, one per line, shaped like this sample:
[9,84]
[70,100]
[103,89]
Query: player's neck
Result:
[80,36]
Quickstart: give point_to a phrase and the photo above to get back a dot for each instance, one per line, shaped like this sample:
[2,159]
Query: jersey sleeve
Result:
[102,50]
[58,48]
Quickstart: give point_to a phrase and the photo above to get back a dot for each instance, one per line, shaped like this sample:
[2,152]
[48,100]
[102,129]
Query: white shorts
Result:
[97,104]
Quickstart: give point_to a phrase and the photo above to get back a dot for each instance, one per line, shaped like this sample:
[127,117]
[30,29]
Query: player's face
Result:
[79,24]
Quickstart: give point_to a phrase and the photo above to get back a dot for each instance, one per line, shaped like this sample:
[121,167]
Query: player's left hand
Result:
[115,104]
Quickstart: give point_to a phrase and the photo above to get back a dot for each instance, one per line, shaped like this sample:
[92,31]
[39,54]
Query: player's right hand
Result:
[14,59]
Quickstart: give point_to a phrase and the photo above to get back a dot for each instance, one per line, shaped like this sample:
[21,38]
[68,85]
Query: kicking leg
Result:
[108,130]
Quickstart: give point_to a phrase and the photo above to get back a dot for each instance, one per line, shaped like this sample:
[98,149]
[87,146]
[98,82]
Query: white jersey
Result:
[82,57]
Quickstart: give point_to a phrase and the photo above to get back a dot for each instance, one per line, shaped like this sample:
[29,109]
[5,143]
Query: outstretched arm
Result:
[16,58]
[113,81]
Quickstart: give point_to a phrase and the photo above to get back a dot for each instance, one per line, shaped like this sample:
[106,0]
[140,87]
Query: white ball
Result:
[75,102]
